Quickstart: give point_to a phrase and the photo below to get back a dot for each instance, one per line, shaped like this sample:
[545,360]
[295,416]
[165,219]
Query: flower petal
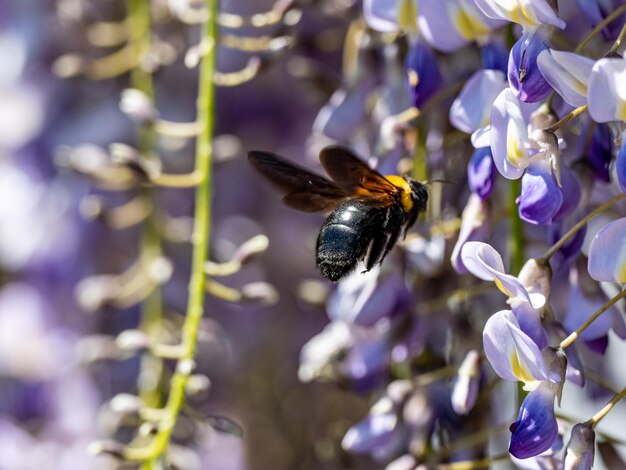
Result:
[471,108]
[474,224]
[529,14]
[620,167]
[601,152]
[541,198]
[567,73]
[607,253]
[376,430]
[607,90]
[523,73]
[482,260]
[436,26]
[424,78]
[481,172]
[381,15]
[536,428]
[509,135]
[511,352]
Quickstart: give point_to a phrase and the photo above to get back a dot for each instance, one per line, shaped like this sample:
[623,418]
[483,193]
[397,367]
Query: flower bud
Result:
[467,383]
[481,172]
[137,105]
[423,77]
[261,293]
[536,276]
[132,340]
[127,404]
[524,75]
[581,448]
[112,448]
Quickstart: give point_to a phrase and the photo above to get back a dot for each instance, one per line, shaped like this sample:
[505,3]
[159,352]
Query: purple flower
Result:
[581,448]
[364,299]
[471,110]
[512,353]
[383,433]
[467,384]
[424,79]
[601,152]
[567,73]
[607,90]
[541,197]
[620,166]
[474,227]
[447,26]
[510,141]
[607,253]
[536,428]
[529,14]
[495,57]
[481,172]
[390,15]
[524,75]
[485,262]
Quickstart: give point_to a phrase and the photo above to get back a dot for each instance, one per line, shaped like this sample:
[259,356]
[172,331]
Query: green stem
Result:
[138,24]
[618,11]
[517,228]
[572,337]
[200,242]
[604,411]
[571,232]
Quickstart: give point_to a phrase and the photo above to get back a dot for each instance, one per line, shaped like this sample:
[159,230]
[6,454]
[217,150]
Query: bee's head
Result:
[419,195]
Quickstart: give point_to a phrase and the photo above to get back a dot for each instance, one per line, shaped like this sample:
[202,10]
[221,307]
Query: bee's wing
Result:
[303,189]
[356,177]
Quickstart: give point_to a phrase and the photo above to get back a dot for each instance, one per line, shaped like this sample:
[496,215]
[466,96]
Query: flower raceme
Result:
[514,356]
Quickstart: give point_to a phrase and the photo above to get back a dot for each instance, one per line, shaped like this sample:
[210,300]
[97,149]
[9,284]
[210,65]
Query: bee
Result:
[369,210]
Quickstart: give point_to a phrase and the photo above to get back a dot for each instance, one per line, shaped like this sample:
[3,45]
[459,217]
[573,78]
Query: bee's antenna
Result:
[427,182]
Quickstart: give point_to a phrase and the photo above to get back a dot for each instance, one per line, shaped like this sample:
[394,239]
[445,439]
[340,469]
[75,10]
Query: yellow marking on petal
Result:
[469,27]
[515,153]
[620,112]
[620,275]
[407,15]
[405,198]
[519,15]
[414,78]
[503,289]
[519,370]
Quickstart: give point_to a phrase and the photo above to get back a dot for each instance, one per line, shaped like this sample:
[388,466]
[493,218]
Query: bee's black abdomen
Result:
[346,236]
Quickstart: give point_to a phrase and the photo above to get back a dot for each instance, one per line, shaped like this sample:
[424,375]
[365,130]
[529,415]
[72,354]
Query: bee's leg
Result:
[393,229]
[376,249]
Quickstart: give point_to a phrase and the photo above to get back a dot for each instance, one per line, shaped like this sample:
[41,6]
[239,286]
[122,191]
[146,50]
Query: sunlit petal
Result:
[607,253]
[567,73]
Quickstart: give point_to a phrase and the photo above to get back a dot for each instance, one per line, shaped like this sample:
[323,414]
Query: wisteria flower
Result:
[481,172]
[485,262]
[567,73]
[474,227]
[524,75]
[471,110]
[510,141]
[620,166]
[607,90]
[390,15]
[529,14]
[447,26]
[423,76]
[515,356]
[607,253]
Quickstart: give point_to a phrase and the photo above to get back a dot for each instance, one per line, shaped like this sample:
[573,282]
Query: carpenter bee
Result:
[369,210]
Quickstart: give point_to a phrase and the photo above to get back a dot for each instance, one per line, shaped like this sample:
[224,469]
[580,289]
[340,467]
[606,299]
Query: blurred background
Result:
[79,264]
